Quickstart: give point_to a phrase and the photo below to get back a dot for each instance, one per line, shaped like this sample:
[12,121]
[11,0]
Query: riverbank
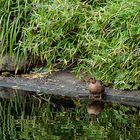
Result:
[66,84]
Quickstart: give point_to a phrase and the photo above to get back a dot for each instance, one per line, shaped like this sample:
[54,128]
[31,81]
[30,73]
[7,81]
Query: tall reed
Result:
[100,38]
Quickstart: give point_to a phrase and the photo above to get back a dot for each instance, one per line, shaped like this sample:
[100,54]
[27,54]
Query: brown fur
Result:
[96,87]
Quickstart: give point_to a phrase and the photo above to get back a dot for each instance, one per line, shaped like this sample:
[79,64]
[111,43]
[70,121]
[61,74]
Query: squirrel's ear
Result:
[94,78]
[90,79]
[101,82]
[87,79]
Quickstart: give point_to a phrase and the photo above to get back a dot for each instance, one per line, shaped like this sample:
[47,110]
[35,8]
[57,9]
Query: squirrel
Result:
[96,88]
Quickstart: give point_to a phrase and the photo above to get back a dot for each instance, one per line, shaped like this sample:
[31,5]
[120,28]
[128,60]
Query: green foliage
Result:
[14,15]
[100,38]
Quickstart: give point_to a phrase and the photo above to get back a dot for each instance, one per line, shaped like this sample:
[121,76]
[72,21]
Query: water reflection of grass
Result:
[30,118]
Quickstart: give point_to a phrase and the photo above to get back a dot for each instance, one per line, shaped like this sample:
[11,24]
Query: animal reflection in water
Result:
[94,108]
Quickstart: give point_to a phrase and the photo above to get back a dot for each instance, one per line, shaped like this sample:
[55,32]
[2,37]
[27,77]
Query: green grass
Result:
[98,38]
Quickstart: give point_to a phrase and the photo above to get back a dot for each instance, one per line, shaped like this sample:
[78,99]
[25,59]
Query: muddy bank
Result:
[65,84]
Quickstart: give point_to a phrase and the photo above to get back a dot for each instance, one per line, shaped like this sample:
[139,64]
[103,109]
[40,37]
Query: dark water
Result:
[30,116]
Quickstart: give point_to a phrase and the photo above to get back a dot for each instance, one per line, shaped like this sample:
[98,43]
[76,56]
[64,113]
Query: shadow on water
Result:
[28,115]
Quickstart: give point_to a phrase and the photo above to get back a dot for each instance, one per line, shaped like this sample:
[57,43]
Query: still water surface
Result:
[39,117]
